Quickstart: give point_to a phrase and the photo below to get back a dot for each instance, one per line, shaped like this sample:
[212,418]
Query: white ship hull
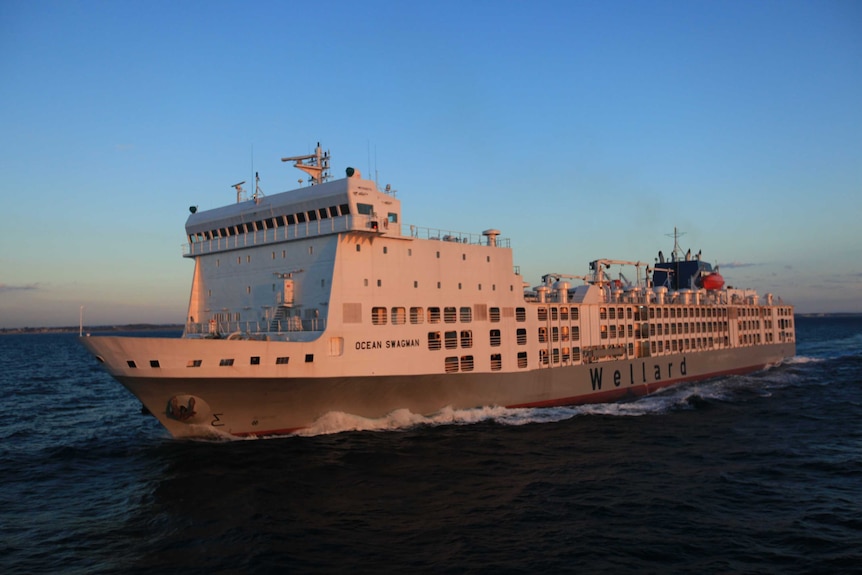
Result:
[243,403]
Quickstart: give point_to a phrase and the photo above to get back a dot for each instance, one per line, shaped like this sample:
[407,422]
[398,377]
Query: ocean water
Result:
[753,474]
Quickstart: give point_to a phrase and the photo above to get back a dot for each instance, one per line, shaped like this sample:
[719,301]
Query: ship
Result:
[321,300]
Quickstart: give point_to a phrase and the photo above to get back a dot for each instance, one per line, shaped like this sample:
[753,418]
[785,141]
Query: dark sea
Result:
[751,474]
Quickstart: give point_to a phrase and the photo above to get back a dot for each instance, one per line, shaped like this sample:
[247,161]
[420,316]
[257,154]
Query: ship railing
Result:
[424,233]
[326,226]
[224,329]
[296,231]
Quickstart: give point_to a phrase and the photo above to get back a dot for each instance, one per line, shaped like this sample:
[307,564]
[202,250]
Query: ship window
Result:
[496,362]
[416,315]
[554,313]
[521,336]
[282,360]
[520,314]
[451,338]
[194,363]
[543,356]
[365,209]
[393,218]
[312,216]
[309,358]
[543,334]
[291,219]
[495,338]
[345,209]
[466,363]
[358,248]
[433,340]
[300,218]
[451,364]
[555,355]
[466,314]
[378,315]
[449,314]
[154,363]
[254,360]
[415,283]
[564,313]
[467,338]
[574,314]
[576,354]
[385,250]
[131,364]
[333,211]
[322,213]
[576,333]
[555,333]
[225,362]
[603,313]
[522,359]
[543,314]
[495,314]
[613,314]
[399,316]
[433,315]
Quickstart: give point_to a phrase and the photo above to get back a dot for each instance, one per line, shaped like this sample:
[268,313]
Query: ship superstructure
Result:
[320,299]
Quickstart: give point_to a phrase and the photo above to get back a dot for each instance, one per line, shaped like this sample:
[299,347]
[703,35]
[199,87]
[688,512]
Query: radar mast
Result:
[317,165]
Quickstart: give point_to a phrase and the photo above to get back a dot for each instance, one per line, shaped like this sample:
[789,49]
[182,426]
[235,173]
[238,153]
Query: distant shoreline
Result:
[92,328]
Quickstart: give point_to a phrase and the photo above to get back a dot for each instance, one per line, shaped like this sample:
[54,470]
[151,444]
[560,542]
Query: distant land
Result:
[93,328]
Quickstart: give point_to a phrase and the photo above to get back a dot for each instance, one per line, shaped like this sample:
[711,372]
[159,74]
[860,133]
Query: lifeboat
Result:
[712,281]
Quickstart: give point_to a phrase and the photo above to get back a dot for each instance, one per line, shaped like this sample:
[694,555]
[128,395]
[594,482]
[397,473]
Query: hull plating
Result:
[243,406]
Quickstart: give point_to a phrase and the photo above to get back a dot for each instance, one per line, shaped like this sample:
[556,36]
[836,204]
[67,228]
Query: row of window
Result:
[449,314]
[454,364]
[225,362]
[272,223]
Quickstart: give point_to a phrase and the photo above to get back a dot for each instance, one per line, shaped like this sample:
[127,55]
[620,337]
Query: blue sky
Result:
[580,129]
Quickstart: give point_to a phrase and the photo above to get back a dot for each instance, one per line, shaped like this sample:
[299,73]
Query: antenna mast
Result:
[677,251]
[317,166]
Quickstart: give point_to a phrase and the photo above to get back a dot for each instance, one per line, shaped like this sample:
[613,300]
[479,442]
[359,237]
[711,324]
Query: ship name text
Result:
[386,344]
[658,371]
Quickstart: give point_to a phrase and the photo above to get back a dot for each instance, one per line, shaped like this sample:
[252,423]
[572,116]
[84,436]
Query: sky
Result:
[581,130]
